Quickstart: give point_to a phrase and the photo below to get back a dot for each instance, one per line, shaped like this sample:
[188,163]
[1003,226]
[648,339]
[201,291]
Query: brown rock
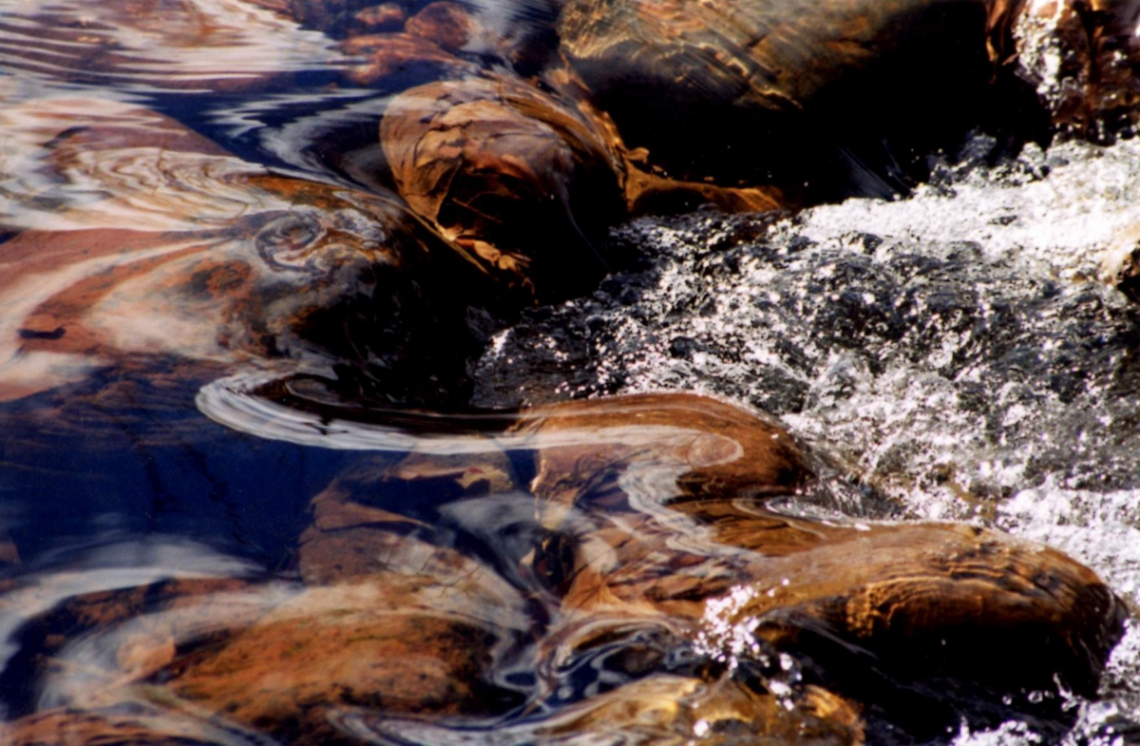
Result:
[767,93]
[446,24]
[209,258]
[1121,269]
[1081,58]
[930,599]
[161,44]
[382,17]
[388,54]
[520,183]
[63,727]
[712,449]
[369,644]
[926,600]
[419,636]
[686,604]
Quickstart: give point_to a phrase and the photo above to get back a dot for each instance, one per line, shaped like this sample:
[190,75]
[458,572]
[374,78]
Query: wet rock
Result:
[1121,269]
[384,642]
[444,23]
[945,325]
[713,449]
[663,499]
[955,599]
[340,18]
[643,585]
[874,586]
[1080,57]
[64,728]
[395,58]
[216,262]
[738,97]
[209,659]
[227,47]
[351,536]
[650,513]
[665,709]
[518,181]
[752,91]
[383,17]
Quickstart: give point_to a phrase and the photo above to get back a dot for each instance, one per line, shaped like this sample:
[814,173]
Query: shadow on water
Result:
[147,463]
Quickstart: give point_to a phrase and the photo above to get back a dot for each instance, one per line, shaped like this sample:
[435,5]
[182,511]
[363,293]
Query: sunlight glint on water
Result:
[957,349]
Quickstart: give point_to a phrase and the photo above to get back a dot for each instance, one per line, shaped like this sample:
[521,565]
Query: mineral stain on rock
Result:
[324,234]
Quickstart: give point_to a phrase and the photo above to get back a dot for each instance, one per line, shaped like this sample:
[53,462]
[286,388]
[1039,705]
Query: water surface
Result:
[229,381]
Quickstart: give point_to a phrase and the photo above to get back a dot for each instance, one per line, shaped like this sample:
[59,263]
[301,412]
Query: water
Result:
[970,363]
[262,479]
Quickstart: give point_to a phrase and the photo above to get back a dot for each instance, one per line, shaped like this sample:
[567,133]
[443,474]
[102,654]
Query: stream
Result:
[213,341]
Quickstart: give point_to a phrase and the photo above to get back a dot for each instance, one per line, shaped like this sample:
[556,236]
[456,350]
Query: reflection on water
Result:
[547,581]
[244,496]
[133,47]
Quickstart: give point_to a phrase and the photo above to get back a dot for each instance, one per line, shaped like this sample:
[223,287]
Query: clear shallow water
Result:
[962,364]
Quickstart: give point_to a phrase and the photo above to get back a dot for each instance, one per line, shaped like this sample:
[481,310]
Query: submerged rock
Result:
[956,350]
[746,106]
[655,568]
[151,242]
[641,587]
[646,538]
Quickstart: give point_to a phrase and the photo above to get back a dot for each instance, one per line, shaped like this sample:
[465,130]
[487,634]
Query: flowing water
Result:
[969,364]
[172,169]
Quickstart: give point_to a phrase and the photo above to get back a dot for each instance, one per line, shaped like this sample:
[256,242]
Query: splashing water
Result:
[957,349]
